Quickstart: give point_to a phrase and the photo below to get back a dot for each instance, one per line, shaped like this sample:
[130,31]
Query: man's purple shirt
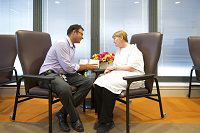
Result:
[60,58]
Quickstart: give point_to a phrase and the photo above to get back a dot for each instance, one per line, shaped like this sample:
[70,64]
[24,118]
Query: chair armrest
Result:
[37,77]
[7,69]
[98,72]
[131,79]
[196,67]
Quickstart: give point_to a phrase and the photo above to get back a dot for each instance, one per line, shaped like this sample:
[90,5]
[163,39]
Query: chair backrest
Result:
[194,49]
[8,54]
[32,48]
[150,46]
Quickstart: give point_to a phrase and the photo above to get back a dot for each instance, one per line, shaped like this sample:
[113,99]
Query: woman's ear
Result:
[121,37]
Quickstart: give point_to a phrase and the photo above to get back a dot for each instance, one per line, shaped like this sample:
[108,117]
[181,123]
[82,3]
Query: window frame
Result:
[95,29]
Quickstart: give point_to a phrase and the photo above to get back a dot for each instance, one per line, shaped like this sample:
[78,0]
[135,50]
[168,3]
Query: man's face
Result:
[78,36]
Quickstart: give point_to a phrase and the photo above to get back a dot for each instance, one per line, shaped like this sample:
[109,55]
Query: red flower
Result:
[104,57]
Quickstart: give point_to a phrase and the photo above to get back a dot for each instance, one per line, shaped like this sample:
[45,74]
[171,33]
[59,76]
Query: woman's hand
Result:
[106,71]
[121,68]
[109,69]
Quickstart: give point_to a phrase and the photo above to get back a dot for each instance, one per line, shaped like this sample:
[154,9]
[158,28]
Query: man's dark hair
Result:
[74,27]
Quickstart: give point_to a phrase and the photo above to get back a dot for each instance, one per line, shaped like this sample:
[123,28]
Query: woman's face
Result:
[118,41]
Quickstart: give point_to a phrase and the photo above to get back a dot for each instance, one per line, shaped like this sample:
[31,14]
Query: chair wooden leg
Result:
[12,118]
[50,112]
[50,117]
[190,84]
[127,116]
[159,99]
[16,102]
[15,108]
[127,109]
[160,104]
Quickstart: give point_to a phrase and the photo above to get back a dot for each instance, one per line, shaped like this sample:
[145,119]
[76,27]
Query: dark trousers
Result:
[63,90]
[105,103]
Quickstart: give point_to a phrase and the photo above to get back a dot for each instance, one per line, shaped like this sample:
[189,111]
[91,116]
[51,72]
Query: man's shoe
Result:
[78,126]
[105,127]
[61,118]
[97,125]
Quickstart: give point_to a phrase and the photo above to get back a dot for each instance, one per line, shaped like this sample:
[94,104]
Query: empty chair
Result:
[8,54]
[194,48]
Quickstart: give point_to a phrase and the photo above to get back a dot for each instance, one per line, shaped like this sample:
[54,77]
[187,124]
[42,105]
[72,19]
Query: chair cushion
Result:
[198,80]
[44,92]
[6,81]
[3,80]
[134,92]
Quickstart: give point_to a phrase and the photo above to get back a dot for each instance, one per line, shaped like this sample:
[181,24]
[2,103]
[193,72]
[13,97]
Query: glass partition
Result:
[128,15]
[177,20]
[16,15]
[59,15]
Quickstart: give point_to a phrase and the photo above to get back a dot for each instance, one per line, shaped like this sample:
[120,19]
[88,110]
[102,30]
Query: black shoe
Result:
[61,118]
[78,126]
[105,127]
[97,125]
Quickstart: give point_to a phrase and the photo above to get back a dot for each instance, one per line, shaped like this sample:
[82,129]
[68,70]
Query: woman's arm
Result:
[121,68]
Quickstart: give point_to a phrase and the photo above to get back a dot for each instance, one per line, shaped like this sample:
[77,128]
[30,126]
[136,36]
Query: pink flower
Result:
[104,57]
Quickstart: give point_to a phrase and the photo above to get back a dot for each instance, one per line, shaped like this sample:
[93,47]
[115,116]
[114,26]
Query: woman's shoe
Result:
[97,125]
[105,127]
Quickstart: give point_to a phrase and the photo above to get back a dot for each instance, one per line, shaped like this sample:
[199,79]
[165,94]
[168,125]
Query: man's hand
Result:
[88,67]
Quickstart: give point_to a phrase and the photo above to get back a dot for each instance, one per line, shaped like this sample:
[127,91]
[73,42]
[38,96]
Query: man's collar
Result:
[70,43]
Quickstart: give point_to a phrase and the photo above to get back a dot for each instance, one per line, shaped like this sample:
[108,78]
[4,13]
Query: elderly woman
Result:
[128,61]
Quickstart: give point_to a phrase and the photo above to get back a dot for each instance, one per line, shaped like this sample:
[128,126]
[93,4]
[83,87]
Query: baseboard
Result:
[166,89]
[10,91]
[177,89]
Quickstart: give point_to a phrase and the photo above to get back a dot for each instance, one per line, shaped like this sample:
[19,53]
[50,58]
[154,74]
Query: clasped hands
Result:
[109,69]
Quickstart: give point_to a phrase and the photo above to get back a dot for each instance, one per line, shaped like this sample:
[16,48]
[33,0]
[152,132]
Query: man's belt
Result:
[47,72]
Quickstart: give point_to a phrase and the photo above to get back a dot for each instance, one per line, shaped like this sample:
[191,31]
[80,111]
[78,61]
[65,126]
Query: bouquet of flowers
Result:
[104,57]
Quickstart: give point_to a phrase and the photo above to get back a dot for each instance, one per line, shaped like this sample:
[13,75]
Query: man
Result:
[59,63]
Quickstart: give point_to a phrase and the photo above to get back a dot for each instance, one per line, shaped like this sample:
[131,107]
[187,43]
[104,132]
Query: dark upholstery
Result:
[7,54]
[43,92]
[194,48]
[32,48]
[134,92]
[150,46]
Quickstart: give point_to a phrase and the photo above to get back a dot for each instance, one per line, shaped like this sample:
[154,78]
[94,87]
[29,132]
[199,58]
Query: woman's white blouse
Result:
[113,81]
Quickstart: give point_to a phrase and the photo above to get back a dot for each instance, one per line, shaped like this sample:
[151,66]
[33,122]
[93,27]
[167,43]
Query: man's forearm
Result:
[82,67]
[87,67]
